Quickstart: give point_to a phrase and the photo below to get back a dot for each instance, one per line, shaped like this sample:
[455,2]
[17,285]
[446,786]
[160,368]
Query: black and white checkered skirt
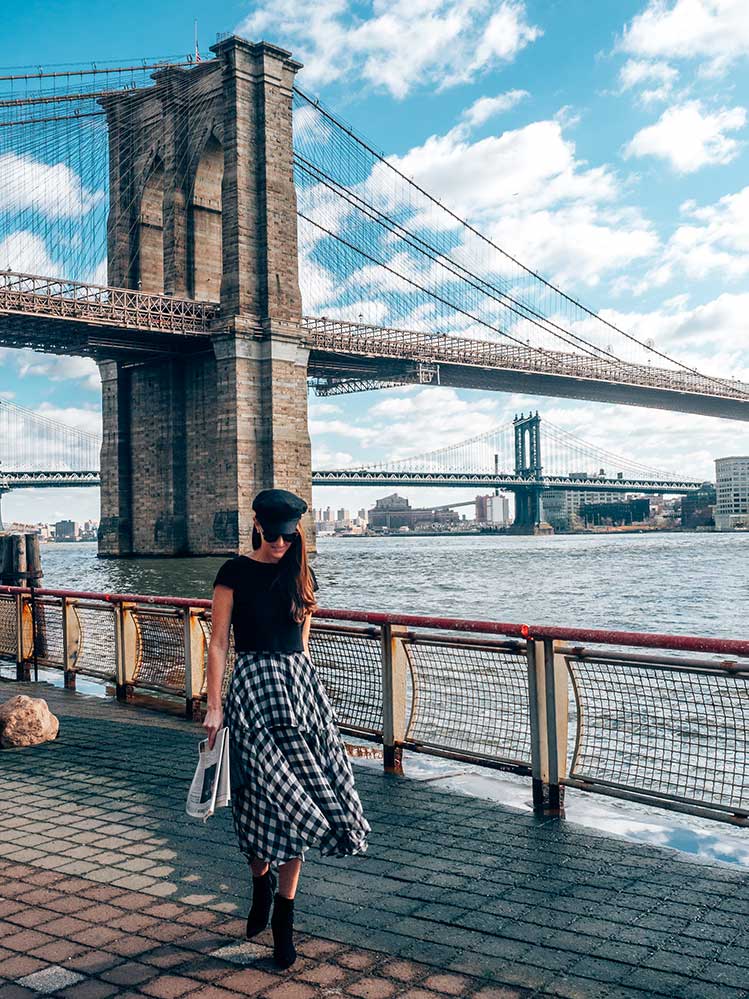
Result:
[292,783]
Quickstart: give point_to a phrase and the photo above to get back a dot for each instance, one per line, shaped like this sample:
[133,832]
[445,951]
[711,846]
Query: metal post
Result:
[71,640]
[394,673]
[549,700]
[194,641]
[24,637]
[126,631]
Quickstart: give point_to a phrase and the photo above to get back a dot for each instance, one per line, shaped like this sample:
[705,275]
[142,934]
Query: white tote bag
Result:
[211,785]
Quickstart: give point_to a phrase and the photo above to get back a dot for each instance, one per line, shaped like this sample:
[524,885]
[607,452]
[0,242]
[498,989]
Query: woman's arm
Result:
[223,601]
[305,633]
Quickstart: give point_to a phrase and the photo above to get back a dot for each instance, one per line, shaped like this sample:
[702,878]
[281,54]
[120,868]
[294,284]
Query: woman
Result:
[292,784]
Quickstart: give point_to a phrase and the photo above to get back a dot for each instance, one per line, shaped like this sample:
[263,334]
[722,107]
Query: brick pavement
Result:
[104,877]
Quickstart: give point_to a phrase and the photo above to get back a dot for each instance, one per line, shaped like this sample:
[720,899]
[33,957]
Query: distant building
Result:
[66,530]
[394,513]
[698,508]
[498,510]
[482,515]
[615,512]
[732,492]
[561,507]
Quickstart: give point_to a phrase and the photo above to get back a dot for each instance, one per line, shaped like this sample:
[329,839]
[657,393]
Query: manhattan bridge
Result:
[218,240]
[37,452]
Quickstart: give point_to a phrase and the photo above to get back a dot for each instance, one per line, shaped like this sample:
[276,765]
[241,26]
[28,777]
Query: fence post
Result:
[394,687]
[71,640]
[549,706]
[194,640]
[24,637]
[126,632]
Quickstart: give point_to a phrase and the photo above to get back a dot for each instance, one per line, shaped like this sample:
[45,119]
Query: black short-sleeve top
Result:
[261,616]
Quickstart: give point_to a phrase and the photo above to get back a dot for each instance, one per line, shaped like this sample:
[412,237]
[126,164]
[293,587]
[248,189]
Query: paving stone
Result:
[58,951]
[314,947]
[214,992]
[372,987]
[248,982]
[405,971]
[130,973]
[169,986]
[291,990]
[452,985]
[357,959]
[323,974]
[25,940]
[51,979]
[20,965]
[93,988]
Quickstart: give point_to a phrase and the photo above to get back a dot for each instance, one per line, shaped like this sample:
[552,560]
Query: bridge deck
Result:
[68,317]
[456,896]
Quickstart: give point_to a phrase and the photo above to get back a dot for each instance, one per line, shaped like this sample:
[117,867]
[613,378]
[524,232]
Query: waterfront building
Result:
[732,492]
[615,512]
[498,510]
[698,509]
[394,513]
[482,515]
[561,507]
[66,530]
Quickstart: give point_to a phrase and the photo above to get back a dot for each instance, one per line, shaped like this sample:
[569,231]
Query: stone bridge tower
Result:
[203,206]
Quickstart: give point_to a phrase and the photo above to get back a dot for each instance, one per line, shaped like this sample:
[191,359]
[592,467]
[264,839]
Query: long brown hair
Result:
[295,577]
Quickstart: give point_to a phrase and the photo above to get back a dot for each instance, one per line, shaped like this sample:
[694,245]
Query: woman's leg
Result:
[288,877]
[262,897]
[282,922]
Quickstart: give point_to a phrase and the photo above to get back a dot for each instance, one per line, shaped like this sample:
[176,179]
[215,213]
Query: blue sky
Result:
[603,144]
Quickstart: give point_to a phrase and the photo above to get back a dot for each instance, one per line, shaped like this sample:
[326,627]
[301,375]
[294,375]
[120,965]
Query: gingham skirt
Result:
[292,783]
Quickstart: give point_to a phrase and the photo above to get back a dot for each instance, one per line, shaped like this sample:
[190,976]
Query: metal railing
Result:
[657,718]
[379,341]
[60,299]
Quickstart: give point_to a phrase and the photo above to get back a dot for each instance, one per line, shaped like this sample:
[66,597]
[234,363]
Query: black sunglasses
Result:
[271,538]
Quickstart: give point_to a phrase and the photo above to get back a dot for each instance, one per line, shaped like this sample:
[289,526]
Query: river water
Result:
[680,583]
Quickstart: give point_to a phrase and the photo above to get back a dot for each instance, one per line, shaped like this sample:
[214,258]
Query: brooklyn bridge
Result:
[217,240]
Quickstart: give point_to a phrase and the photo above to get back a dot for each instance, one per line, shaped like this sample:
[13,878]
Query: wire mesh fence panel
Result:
[97,654]
[472,700]
[46,622]
[8,627]
[206,625]
[161,662]
[682,734]
[350,667]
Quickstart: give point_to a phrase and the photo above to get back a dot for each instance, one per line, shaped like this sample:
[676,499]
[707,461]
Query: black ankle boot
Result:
[282,924]
[262,898]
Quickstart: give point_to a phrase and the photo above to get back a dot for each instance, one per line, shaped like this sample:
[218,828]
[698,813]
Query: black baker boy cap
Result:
[278,510]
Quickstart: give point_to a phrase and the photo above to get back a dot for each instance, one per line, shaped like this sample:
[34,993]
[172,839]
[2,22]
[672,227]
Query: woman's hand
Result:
[214,719]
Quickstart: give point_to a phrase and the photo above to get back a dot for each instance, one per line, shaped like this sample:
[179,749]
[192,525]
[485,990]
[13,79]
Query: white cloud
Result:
[26,253]
[76,417]
[712,243]
[53,190]
[637,72]
[527,191]
[407,421]
[713,30]
[56,368]
[487,107]
[688,137]
[400,45]
[710,337]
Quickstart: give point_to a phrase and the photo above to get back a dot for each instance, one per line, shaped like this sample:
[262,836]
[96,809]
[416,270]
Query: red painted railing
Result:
[572,707]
